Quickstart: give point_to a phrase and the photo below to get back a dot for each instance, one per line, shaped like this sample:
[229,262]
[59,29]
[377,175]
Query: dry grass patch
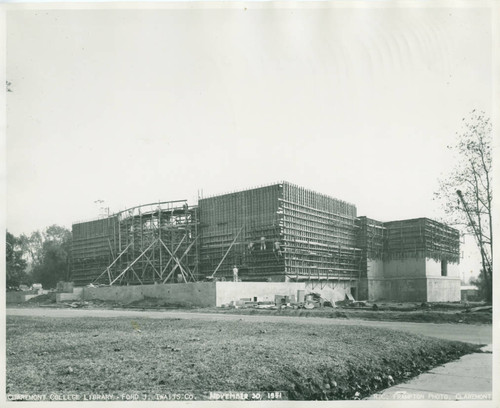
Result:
[308,362]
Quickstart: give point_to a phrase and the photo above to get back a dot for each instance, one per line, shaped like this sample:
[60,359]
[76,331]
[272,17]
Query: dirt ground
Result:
[456,313]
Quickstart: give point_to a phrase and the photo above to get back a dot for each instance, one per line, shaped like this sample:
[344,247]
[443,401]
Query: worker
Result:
[262,243]
[235,273]
[277,247]
[250,246]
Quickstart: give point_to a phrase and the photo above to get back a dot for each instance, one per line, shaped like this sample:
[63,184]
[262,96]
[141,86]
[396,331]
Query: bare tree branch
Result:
[472,176]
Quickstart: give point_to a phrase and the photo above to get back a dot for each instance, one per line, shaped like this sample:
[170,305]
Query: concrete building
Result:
[409,260]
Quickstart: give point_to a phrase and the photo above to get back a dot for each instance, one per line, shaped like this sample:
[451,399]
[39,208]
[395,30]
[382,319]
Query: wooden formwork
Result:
[145,244]
[277,232]
[371,237]
[421,237]
[413,238]
[371,241]
[93,247]
[319,235]
[240,229]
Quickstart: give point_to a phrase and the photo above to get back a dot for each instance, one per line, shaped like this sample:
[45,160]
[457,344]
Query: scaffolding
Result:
[421,237]
[413,238]
[151,243]
[241,229]
[371,241]
[279,232]
[319,235]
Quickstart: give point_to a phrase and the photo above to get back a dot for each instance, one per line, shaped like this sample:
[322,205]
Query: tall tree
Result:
[32,245]
[48,253]
[14,262]
[467,191]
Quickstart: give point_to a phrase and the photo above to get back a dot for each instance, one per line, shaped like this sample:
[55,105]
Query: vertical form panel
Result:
[254,212]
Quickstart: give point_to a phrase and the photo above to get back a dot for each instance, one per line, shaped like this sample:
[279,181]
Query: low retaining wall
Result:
[200,294]
[206,294]
[19,297]
[65,297]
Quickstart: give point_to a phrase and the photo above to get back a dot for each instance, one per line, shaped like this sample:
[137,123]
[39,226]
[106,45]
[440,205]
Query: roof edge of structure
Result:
[277,183]
[405,220]
[115,214]
[321,194]
[241,190]
[419,219]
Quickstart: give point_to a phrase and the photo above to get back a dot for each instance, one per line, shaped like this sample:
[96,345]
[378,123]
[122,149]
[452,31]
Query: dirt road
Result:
[480,334]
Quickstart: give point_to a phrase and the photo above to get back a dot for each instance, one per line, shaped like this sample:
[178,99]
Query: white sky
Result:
[132,106]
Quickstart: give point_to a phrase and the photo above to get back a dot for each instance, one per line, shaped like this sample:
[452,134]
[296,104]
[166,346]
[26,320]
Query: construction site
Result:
[256,244]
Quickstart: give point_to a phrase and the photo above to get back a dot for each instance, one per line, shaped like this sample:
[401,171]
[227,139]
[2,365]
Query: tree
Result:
[14,262]
[32,246]
[481,284]
[472,180]
[48,252]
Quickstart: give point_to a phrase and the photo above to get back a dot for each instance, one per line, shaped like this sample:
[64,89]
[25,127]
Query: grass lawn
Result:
[191,358]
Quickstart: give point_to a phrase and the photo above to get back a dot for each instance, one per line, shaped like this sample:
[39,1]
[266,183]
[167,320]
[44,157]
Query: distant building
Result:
[278,233]
[470,294]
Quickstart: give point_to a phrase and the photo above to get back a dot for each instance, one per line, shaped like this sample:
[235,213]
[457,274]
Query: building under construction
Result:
[276,233]
[145,244]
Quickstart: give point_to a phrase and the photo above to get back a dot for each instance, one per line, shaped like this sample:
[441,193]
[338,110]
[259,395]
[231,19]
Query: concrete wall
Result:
[412,280]
[407,290]
[65,297]
[433,269]
[78,290]
[377,289]
[375,269]
[65,287]
[398,289]
[69,293]
[405,268]
[263,291]
[363,293]
[370,287]
[443,289]
[400,280]
[201,294]
[19,297]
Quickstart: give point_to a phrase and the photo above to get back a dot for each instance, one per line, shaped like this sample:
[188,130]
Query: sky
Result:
[139,106]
